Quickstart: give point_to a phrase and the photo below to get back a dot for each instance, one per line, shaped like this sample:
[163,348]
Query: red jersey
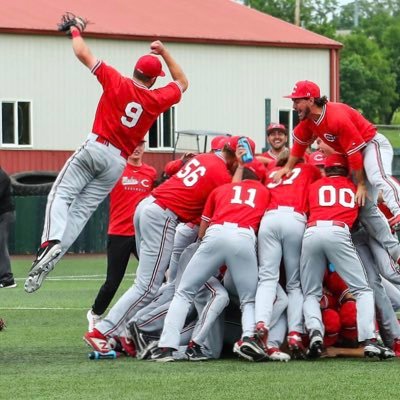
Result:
[186,192]
[341,127]
[128,109]
[333,199]
[292,192]
[133,186]
[242,203]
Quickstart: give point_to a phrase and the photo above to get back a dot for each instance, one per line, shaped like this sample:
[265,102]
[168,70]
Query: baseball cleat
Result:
[148,351]
[42,266]
[128,347]
[396,347]
[137,336]
[274,354]
[162,354]
[97,341]
[295,345]
[315,348]
[373,349]
[194,352]
[93,319]
[248,349]
[262,334]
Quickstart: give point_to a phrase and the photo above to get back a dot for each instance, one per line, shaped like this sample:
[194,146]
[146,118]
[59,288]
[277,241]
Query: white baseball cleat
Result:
[93,320]
[274,354]
[42,266]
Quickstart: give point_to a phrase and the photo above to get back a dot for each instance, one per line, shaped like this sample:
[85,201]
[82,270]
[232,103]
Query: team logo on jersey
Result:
[329,137]
[133,181]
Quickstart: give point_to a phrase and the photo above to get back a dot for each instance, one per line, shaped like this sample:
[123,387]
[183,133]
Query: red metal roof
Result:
[202,21]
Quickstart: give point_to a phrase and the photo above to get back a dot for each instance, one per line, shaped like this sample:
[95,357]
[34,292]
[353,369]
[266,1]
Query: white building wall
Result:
[228,84]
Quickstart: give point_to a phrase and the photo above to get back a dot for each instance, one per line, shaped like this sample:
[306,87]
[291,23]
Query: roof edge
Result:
[235,42]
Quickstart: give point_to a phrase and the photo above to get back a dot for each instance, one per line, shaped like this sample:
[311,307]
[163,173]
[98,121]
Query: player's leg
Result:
[312,268]
[204,263]
[6,275]
[269,259]
[158,230]
[378,157]
[292,242]
[276,337]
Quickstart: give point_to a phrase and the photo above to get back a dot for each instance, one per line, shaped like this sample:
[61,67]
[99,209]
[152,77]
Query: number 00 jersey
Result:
[186,192]
[333,199]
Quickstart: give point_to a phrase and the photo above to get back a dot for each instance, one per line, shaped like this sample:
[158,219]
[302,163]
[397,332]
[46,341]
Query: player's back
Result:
[292,191]
[333,199]
[186,192]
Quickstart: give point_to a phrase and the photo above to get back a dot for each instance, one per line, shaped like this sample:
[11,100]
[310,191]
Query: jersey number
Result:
[133,111]
[288,181]
[329,195]
[237,199]
[191,172]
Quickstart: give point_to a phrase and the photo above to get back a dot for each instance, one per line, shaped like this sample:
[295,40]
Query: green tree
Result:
[366,79]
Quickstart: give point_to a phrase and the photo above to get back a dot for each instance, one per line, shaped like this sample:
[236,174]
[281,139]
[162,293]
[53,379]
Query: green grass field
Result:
[42,355]
[393,136]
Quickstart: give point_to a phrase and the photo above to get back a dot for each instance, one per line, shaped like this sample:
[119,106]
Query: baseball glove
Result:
[2,324]
[69,19]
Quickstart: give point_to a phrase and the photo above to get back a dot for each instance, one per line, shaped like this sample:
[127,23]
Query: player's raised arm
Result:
[175,70]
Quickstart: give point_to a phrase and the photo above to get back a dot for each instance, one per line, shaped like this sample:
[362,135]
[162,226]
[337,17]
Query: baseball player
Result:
[232,214]
[333,210]
[348,132]
[277,139]
[179,199]
[280,237]
[135,183]
[126,111]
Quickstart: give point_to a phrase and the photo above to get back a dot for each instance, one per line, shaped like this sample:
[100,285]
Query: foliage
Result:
[370,60]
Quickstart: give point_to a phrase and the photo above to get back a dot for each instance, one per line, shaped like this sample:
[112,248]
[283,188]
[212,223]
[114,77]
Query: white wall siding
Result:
[228,84]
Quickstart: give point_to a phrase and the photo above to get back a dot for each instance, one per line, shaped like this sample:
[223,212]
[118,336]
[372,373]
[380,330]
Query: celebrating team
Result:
[260,235]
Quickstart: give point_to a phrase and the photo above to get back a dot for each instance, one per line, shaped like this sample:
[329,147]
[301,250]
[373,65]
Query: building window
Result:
[161,134]
[15,123]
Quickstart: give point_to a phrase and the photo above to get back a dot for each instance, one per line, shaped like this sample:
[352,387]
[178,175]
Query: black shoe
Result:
[373,349]
[194,352]
[249,349]
[8,284]
[315,348]
[162,354]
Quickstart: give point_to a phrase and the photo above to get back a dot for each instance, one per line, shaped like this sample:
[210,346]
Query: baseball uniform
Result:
[180,199]
[234,212]
[280,237]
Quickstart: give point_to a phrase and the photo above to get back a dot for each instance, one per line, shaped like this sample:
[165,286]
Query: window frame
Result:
[16,137]
[160,131]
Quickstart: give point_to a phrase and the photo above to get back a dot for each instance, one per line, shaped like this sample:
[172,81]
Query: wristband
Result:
[75,33]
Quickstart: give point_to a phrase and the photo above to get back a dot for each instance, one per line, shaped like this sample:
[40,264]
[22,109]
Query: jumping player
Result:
[333,211]
[126,111]
[348,132]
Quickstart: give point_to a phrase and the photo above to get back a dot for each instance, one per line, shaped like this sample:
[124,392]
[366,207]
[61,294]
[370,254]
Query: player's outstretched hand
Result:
[157,47]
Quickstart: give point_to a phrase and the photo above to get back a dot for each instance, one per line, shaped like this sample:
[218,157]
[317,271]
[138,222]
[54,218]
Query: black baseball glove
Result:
[69,19]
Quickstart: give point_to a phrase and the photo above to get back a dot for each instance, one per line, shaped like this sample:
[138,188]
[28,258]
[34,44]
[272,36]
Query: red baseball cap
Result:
[317,159]
[258,168]
[150,65]
[336,160]
[218,142]
[304,89]
[274,126]
[232,143]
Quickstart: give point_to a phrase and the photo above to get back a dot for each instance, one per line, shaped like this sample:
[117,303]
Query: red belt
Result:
[334,223]
[104,141]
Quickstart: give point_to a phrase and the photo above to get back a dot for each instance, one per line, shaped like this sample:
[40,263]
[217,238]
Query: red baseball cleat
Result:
[97,341]
[396,347]
[295,345]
